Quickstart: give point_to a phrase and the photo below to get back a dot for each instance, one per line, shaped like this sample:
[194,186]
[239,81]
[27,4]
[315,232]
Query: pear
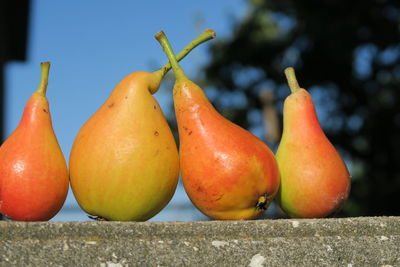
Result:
[33,172]
[227,172]
[315,181]
[124,162]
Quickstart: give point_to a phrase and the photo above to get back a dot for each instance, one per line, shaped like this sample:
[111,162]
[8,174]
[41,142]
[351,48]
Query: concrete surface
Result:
[350,242]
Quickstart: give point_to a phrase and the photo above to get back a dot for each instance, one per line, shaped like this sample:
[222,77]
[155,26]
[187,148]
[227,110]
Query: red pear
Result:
[227,172]
[315,181]
[33,173]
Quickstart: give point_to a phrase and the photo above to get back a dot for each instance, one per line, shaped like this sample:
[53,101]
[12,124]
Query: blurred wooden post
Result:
[270,117]
[14,20]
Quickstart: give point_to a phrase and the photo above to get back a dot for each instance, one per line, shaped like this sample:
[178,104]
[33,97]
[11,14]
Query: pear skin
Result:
[124,162]
[227,172]
[33,172]
[315,181]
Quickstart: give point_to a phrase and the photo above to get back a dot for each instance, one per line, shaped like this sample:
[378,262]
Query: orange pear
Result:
[314,179]
[124,161]
[227,172]
[33,172]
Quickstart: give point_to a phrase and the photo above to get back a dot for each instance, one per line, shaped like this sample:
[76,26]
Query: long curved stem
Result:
[163,40]
[292,80]
[45,68]
[203,37]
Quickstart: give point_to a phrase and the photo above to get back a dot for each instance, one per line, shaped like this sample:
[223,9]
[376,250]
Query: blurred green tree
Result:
[347,54]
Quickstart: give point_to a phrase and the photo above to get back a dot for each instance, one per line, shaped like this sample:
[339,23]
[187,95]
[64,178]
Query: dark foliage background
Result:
[347,54]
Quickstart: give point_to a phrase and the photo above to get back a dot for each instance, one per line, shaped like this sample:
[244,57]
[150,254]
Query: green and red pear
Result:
[315,181]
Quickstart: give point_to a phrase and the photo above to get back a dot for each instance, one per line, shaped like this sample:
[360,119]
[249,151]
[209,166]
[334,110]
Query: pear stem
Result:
[163,40]
[203,37]
[45,67]
[292,80]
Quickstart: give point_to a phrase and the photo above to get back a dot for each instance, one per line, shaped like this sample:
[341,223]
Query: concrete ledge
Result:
[363,241]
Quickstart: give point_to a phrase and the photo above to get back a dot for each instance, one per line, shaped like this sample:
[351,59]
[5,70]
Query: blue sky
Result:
[92,45]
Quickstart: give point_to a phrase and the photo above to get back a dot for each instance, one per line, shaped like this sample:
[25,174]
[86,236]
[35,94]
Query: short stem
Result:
[291,78]
[45,67]
[162,39]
